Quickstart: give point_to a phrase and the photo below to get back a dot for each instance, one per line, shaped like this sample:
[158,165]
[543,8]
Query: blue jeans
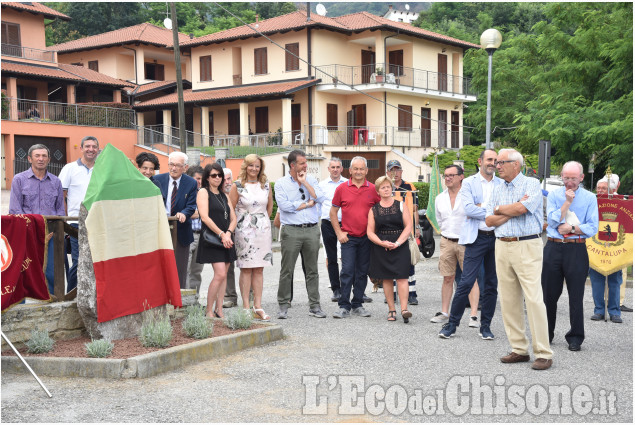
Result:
[480,252]
[50,267]
[597,288]
[72,272]
[354,274]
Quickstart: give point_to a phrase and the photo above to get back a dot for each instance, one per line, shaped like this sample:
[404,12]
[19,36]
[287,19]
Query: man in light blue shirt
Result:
[515,209]
[297,195]
[572,217]
[329,237]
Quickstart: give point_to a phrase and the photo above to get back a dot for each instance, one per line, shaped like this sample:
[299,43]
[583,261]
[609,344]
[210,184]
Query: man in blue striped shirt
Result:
[572,216]
[515,209]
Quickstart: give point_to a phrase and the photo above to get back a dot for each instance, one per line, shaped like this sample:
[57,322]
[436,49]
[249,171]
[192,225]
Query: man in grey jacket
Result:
[479,247]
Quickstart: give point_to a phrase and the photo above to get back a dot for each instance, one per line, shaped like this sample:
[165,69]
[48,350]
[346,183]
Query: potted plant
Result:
[379,74]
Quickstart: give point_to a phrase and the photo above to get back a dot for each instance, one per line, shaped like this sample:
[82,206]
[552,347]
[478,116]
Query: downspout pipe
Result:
[136,81]
[310,94]
[385,93]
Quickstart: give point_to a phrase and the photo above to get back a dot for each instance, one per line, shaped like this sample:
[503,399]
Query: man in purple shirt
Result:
[36,191]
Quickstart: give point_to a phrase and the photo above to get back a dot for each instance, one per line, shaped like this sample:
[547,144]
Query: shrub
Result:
[40,342]
[239,318]
[196,325]
[156,331]
[5,107]
[117,115]
[99,348]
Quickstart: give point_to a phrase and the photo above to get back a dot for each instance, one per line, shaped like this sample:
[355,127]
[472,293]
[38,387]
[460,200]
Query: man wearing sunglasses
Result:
[297,195]
[179,195]
[515,210]
[478,240]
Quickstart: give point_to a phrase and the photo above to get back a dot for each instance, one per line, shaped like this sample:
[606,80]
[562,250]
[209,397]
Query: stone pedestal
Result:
[122,327]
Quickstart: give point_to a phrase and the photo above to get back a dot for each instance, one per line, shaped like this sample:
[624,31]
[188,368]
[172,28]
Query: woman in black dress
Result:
[217,214]
[389,225]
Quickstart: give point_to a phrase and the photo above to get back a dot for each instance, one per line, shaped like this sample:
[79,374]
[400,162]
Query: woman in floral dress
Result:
[252,196]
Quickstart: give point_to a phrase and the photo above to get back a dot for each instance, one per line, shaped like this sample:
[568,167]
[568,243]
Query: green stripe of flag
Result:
[114,177]
[435,189]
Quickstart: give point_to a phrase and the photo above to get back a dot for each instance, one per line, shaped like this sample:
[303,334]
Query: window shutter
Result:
[260,61]
[331,116]
[206,68]
[292,63]
[160,72]
[405,117]
[94,65]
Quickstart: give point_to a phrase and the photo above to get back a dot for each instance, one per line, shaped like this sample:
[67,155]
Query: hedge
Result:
[119,116]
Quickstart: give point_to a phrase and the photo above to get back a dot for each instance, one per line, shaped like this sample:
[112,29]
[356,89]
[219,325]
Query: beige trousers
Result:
[519,269]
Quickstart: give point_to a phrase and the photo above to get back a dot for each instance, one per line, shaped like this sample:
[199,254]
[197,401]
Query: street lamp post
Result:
[491,40]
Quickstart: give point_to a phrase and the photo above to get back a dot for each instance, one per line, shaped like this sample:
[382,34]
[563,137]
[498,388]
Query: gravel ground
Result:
[309,376]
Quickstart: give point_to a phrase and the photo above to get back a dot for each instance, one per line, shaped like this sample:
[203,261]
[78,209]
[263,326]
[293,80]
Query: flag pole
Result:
[25,364]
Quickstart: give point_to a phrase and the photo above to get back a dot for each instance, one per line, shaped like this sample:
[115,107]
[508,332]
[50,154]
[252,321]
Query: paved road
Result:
[310,375]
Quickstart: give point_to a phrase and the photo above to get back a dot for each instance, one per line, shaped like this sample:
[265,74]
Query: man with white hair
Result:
[179,195]
[515,210]
[572,217]
[231,297]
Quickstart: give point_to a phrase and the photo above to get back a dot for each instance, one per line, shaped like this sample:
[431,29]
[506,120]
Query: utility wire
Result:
[351,86]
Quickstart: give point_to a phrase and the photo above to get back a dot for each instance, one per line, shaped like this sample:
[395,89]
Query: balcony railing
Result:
[264,143]
[28,53]
[66,113]
[384,136]
[396,76]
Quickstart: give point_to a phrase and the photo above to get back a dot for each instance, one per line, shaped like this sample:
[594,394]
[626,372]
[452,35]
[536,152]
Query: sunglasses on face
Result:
[215,175]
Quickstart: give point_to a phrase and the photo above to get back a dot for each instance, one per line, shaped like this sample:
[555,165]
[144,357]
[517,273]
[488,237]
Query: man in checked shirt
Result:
[515,209]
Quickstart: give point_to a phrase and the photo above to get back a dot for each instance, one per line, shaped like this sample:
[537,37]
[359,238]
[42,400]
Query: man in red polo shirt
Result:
[355,197]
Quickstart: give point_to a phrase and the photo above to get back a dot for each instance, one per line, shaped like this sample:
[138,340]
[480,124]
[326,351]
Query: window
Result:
[94,65]
[331,116]
[292,63]
[154,71]
[405,118]
[260,61]
[206,68]
[11,44]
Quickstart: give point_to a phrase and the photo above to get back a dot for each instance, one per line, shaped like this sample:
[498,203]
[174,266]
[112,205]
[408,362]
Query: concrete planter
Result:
[145,365]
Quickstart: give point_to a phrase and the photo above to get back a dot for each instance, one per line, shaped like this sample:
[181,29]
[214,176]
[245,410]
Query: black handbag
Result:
[212,238]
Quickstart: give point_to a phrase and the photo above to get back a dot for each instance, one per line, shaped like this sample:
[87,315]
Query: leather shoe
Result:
[616,319]
[574,346]
[336,296]
[514,358]
[542,364]
[626,309]
[597,316]
[367,299]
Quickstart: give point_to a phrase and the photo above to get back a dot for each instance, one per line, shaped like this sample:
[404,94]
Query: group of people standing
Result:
[490,227]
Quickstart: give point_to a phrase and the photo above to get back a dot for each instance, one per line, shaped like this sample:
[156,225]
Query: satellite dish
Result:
[320,9]
[167,22]
[407,7]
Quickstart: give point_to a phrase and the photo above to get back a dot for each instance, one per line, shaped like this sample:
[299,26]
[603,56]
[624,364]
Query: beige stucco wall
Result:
[118,62]
[31,27]
[225,60]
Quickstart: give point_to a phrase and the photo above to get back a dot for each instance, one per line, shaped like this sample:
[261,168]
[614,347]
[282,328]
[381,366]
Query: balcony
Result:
[66,113]
[399,79]
[28,53]
[384,136]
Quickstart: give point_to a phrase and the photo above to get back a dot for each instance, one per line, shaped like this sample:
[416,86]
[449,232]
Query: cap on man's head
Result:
[393,163]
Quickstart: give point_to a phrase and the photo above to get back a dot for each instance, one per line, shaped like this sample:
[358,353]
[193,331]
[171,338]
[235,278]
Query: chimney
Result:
[257,17]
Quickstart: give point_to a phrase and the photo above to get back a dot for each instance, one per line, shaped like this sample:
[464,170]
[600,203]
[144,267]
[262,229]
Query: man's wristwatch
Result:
[496,210]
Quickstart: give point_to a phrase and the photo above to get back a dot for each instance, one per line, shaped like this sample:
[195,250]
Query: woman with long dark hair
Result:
[218,217]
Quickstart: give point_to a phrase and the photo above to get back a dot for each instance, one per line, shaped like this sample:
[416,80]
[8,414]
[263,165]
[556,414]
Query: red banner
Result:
[22,258]
[611,249]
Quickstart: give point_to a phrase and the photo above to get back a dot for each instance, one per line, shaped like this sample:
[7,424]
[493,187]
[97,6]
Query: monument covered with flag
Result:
[129,239]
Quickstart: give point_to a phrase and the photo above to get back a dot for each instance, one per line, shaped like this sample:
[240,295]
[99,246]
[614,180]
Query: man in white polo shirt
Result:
[75,177]
[451,219]
[329,237]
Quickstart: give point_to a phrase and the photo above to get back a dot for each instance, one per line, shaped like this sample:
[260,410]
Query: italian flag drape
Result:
[129,239]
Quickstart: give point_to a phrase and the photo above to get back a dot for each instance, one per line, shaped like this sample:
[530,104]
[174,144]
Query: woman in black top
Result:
[389,225]
[217,215]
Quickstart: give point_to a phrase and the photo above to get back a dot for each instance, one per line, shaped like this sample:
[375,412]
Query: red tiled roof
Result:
[142,89]
[142,33]
[230,93]
[36,8]
[355,22]
[64,72]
